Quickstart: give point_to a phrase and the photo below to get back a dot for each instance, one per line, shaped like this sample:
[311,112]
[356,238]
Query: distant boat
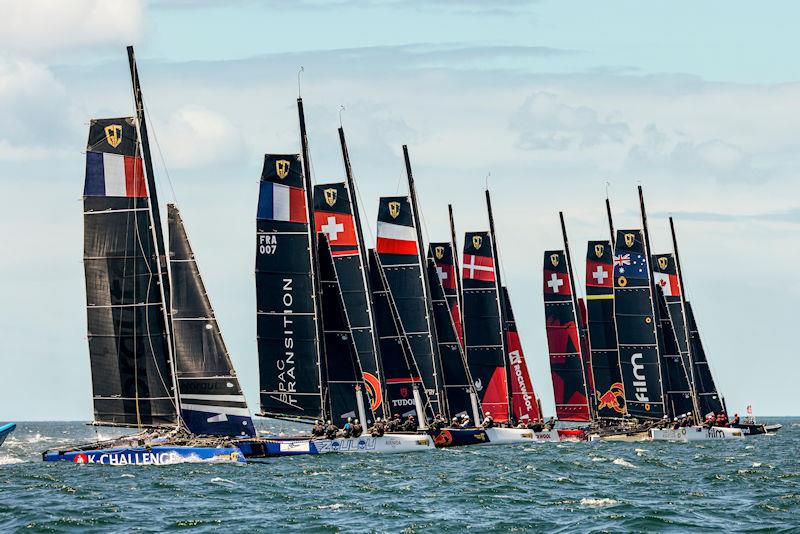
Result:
[159,363]
[5,430]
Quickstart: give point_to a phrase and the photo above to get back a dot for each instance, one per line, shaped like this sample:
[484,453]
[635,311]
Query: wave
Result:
[623,463]
[599,503]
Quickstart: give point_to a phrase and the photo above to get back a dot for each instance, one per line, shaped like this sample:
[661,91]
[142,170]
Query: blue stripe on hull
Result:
[5,430]
[149,456]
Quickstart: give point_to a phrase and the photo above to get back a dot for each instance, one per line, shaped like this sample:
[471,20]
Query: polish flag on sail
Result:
[669,284]
[396,239]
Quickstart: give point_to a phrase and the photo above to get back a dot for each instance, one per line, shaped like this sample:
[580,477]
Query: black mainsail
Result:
[637,339]
[708,398]
[398,251]
[334,217]
[128,330]
[458,385]
[289,354]
[608,389]
[212,402]
[483,327]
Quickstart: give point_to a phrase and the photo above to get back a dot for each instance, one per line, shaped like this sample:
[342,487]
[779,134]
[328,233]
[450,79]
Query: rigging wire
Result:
[160,153]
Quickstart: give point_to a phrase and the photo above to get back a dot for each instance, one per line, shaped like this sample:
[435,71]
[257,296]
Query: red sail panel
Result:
[445,267]
[564,341]
[523,400]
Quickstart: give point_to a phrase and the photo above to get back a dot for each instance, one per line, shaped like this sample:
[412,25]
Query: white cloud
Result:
[42,27]
[545,123]
[195,137]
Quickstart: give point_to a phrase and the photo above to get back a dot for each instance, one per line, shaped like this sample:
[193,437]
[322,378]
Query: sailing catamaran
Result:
[5,430]
[158,360]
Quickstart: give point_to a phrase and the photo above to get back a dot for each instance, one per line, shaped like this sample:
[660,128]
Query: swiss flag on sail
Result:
[556,283]
[339,228]
[669,284]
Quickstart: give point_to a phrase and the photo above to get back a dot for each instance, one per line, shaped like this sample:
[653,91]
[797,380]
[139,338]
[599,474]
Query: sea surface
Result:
[744,485]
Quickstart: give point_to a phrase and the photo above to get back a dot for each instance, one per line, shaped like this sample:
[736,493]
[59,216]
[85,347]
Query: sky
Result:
[550,103]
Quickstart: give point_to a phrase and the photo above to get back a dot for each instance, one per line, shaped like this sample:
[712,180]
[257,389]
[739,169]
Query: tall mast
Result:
[155,219]
[362,250]
[610,221]
[501,300]
[437,365]
[656,314]
[314,253]
[578,325]
[695,400]
[459,295]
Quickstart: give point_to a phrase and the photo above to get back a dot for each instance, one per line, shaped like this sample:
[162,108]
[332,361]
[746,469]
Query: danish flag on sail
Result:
[478,268]
[396,233]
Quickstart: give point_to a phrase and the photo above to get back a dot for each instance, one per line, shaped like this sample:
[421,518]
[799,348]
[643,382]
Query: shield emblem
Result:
[554,259]
[114,134]
[282,168]
[330,197]
[477,241]
[394,209]
[629,239]
[662,262]
[598,250]
[439,252]
[404,392]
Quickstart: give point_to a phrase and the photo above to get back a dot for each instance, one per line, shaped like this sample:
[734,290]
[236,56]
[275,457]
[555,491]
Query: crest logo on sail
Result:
[330,197]
[394,209]
[114,134]
[477,241]
[282,168]
[439,252]
[662,262]
[629,239]
[554,259]
[374,392]
[598,250]
[622,281]
[613,399]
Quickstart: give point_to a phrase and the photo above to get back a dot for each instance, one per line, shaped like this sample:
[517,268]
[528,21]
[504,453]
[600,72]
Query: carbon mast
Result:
[155,217]
[459,291]
[362,252]
[501,300]
[437,362]
[585,360]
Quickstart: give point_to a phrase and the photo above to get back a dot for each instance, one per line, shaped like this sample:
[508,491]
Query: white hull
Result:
[695,433]
[388,444]
[505,436]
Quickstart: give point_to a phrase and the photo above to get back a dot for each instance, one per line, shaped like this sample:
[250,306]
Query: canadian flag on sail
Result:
[668,283]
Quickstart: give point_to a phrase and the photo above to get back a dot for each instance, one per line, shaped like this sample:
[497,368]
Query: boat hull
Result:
[159,455]
[5,430]
[757,429]
[458,437]
[506,436]
[387,444]
[695,433]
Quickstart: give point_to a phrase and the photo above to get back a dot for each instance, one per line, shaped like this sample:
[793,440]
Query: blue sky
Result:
[697,101]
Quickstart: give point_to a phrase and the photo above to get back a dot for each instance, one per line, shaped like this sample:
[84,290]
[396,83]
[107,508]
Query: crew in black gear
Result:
[357,429]
[331,430]
[394,424]
[318,430]
[488,421]
[410,425]
[378,428]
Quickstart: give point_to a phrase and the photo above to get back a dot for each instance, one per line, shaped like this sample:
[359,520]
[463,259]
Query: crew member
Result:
[357,429]
[318,430]
[465,422]
[410,425]
[394,423]
[378,428]
[347,430]
[550,423]
[735,420]
[331,430]
[488,420]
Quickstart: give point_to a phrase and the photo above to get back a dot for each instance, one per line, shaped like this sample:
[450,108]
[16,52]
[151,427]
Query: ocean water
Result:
[744,485]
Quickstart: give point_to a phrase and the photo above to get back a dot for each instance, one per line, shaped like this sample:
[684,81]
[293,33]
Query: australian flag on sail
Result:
[630,262]
[334,217]
[281,196]
[113,167]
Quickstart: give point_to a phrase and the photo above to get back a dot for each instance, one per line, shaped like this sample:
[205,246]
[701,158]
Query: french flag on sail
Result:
[280,202]
[113,175]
